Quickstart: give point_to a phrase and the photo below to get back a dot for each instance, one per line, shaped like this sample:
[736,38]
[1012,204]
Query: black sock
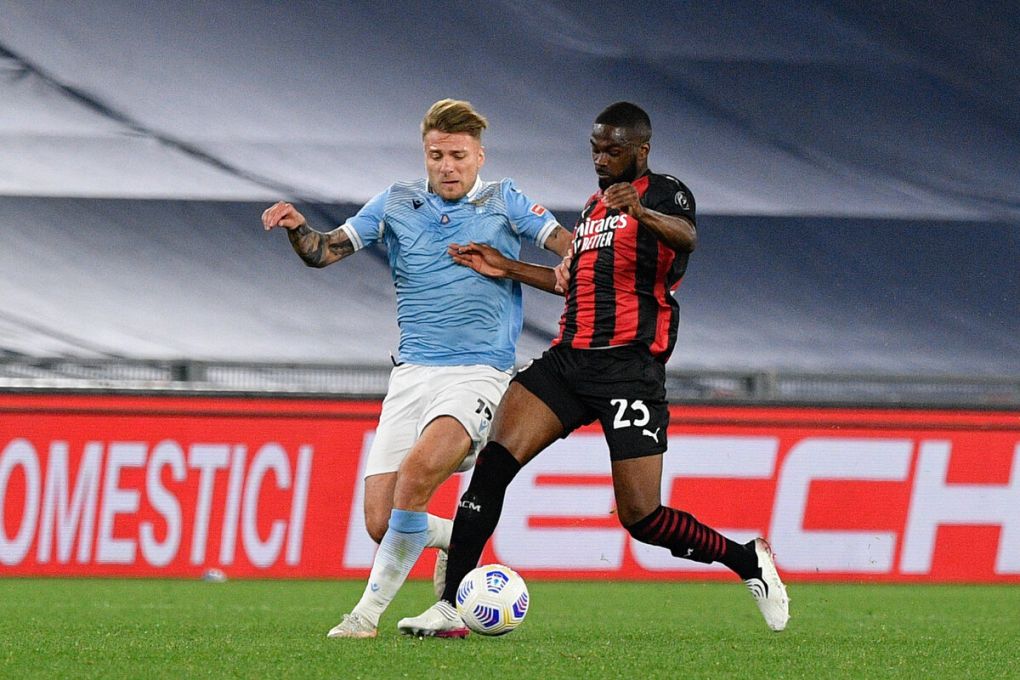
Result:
[688,538]
[478,513]
[742,559]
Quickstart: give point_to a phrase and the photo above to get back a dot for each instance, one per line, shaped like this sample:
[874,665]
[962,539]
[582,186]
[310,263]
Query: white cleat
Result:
[767,589]
[352,626]
[440,620]
[439,574]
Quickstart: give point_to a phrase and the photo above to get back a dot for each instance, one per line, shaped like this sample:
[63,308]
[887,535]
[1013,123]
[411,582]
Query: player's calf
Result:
[685,536]
[478,512]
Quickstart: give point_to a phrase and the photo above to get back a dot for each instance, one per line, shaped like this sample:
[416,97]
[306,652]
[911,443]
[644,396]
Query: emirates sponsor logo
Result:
[594,234]
[601,225]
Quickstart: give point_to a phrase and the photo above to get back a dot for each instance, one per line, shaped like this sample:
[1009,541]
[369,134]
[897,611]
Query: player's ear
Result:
[481,156]
[642,151]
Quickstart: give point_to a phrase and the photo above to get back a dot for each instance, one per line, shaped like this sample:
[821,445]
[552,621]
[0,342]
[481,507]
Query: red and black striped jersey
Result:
[623,276]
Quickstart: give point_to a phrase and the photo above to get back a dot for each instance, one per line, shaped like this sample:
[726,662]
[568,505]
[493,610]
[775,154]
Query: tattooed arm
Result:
[317,249]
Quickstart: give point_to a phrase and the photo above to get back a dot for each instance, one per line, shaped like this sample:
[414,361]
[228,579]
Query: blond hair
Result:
[452,115]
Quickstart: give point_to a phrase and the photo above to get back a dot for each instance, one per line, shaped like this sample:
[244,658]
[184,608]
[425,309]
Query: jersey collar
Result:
[474,189]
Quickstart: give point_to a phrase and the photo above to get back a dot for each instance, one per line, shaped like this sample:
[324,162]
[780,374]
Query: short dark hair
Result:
[629,116]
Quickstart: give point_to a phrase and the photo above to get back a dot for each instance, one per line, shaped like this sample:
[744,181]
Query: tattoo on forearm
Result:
[318,249]
[339,244]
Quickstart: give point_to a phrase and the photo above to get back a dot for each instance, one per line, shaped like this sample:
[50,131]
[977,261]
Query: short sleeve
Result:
[366,227]
[530,219]
[671,197]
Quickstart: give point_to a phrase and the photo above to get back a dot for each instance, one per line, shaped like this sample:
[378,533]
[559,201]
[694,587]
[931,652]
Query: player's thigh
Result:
[628,393]
[525,424]
[455,422]
[435,456]
[378,503]
[637,484]
[541,405]
[469,395]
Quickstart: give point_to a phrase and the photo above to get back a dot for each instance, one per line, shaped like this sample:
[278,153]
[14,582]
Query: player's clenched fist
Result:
[282,214]
[624,197]
[562,272]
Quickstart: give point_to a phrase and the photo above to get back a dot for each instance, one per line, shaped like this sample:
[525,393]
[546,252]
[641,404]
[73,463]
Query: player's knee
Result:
[644,527]
[629,516]
[635,533]
[417,480]
[495,468]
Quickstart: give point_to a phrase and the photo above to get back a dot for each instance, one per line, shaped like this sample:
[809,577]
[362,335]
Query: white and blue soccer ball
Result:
[492,599]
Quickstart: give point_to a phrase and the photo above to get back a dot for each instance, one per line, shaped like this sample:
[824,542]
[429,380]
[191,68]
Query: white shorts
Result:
[417,395]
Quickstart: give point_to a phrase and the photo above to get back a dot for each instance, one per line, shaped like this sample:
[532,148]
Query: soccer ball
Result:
[492,599]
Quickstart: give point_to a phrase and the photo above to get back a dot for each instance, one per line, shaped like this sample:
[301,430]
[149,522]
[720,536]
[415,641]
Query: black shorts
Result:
[623,387]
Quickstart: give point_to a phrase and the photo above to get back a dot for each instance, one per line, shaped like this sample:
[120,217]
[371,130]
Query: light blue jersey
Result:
[449,314]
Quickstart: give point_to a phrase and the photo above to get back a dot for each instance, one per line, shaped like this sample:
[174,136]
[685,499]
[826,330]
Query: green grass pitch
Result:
[109,628]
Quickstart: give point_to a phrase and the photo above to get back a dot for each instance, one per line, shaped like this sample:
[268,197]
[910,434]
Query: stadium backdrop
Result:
[269,487]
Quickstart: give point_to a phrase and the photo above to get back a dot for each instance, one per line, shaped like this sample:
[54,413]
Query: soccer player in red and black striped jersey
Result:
[630,251]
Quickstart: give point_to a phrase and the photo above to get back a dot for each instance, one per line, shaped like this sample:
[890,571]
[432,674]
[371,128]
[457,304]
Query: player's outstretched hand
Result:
[282,214]
[483,258]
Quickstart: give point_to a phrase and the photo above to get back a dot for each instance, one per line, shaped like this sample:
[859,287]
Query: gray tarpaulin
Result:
[855,167]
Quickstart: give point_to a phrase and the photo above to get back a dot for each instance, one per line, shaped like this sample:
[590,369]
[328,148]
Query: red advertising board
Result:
[173,486]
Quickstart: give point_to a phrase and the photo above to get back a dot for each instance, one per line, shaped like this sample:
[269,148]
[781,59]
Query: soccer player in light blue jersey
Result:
[457,334]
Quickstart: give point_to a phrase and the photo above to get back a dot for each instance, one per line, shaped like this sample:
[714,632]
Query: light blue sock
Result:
[400,548]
